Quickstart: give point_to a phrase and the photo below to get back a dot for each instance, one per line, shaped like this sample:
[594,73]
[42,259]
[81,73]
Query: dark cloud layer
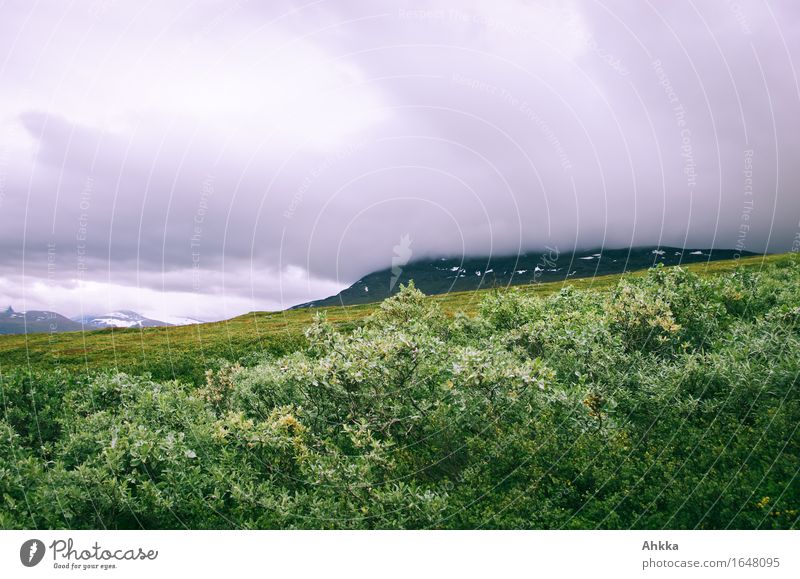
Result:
[207,158]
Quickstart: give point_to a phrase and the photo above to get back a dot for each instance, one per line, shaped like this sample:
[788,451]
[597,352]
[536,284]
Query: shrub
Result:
[668,402]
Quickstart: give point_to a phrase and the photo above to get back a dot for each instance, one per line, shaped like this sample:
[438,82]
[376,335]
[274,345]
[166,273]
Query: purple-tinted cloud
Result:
[206,158]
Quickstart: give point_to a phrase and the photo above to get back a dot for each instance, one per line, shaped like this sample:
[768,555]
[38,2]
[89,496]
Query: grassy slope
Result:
[186,350]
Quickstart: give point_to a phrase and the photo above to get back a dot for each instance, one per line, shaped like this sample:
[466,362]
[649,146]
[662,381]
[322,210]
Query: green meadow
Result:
[665,398]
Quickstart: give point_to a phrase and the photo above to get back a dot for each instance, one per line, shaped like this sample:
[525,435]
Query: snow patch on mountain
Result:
[185,321]
[121,319]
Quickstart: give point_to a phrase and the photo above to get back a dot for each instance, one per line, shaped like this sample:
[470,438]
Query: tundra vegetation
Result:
[668,400]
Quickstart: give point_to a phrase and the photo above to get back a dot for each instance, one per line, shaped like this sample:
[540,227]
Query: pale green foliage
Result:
[669,402]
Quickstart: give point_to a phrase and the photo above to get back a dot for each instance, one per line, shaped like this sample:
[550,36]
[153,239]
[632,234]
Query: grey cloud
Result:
[262,141]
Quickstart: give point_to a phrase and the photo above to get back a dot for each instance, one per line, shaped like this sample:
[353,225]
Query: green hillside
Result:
[456,275]
[667,399]
[186,351]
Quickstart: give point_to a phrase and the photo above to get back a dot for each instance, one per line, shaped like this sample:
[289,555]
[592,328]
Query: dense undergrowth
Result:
[671,401]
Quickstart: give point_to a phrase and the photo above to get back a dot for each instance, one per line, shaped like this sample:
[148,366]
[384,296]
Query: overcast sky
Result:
[207,158]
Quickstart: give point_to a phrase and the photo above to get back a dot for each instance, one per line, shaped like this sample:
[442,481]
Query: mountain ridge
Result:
[118,319]
[432,276]
[35,321]
[449,274]
[45,321]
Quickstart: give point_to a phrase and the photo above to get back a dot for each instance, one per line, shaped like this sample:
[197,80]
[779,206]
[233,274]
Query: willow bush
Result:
[671,401]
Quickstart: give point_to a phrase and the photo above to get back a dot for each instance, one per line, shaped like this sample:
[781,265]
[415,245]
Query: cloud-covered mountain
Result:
[445,275]
[255,155]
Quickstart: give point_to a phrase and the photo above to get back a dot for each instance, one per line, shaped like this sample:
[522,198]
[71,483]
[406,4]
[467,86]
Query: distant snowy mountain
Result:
[34,321]
[119,319]
[181,321]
